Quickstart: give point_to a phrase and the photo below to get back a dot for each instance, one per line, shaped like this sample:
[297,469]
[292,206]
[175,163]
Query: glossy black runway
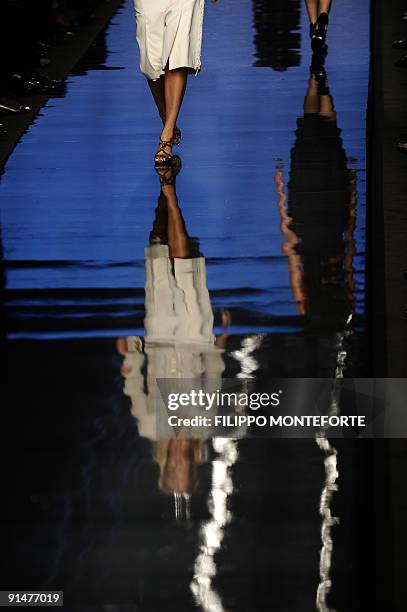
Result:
[250,264]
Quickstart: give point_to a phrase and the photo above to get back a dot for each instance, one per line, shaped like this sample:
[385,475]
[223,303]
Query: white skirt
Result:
[169,32]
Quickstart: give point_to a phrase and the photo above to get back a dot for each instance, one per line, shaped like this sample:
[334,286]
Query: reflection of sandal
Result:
[168,174]
[162,157]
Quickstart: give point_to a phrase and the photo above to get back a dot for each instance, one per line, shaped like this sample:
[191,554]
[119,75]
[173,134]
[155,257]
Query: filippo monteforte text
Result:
[270,421]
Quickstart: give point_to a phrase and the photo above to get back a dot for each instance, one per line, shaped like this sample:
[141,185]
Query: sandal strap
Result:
[161,149]
[165,143]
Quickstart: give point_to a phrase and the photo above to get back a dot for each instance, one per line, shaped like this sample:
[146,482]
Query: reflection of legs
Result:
[177,237]
[177,474]
[169,212]
[316,103]
[326,107]
[160,225]
[178,240]
[311,102]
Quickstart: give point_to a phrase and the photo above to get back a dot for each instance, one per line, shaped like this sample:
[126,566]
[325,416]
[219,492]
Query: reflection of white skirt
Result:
[169,31]
[178,307]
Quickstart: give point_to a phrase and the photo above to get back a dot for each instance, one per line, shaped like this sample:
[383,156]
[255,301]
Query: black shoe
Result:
[3,131]
[400,44]
[318,33]
[402,62]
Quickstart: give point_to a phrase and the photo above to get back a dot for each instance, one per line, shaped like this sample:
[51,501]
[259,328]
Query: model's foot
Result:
[164,155]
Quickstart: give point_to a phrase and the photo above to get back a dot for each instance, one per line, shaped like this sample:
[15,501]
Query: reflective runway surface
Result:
[246,261]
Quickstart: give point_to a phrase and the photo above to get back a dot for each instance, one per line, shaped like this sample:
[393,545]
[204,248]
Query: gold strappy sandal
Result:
[162,157]
[177,135]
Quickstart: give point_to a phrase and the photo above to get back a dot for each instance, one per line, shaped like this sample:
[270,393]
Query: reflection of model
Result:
[277,38]
[318,11]
[169,33]
[319,219]
[179,344]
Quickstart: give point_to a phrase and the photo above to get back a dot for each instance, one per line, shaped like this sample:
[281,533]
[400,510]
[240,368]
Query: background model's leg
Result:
[312,9]
[324,6]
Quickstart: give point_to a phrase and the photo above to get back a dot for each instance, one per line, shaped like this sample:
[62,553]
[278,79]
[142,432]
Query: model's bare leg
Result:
[312,9]
[175,83]
[158,91]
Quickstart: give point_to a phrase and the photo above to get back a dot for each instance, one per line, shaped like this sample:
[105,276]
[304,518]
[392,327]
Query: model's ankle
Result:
[167,132]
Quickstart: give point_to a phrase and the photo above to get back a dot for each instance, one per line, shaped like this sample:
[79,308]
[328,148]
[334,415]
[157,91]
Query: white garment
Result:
[179,340]
[169,31]
[178,307]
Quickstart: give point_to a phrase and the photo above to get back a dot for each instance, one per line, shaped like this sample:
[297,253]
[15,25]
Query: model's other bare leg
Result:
[312,10]
[174,85]
[158,91]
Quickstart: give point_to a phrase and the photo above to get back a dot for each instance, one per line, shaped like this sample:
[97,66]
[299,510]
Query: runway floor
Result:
[267,216]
